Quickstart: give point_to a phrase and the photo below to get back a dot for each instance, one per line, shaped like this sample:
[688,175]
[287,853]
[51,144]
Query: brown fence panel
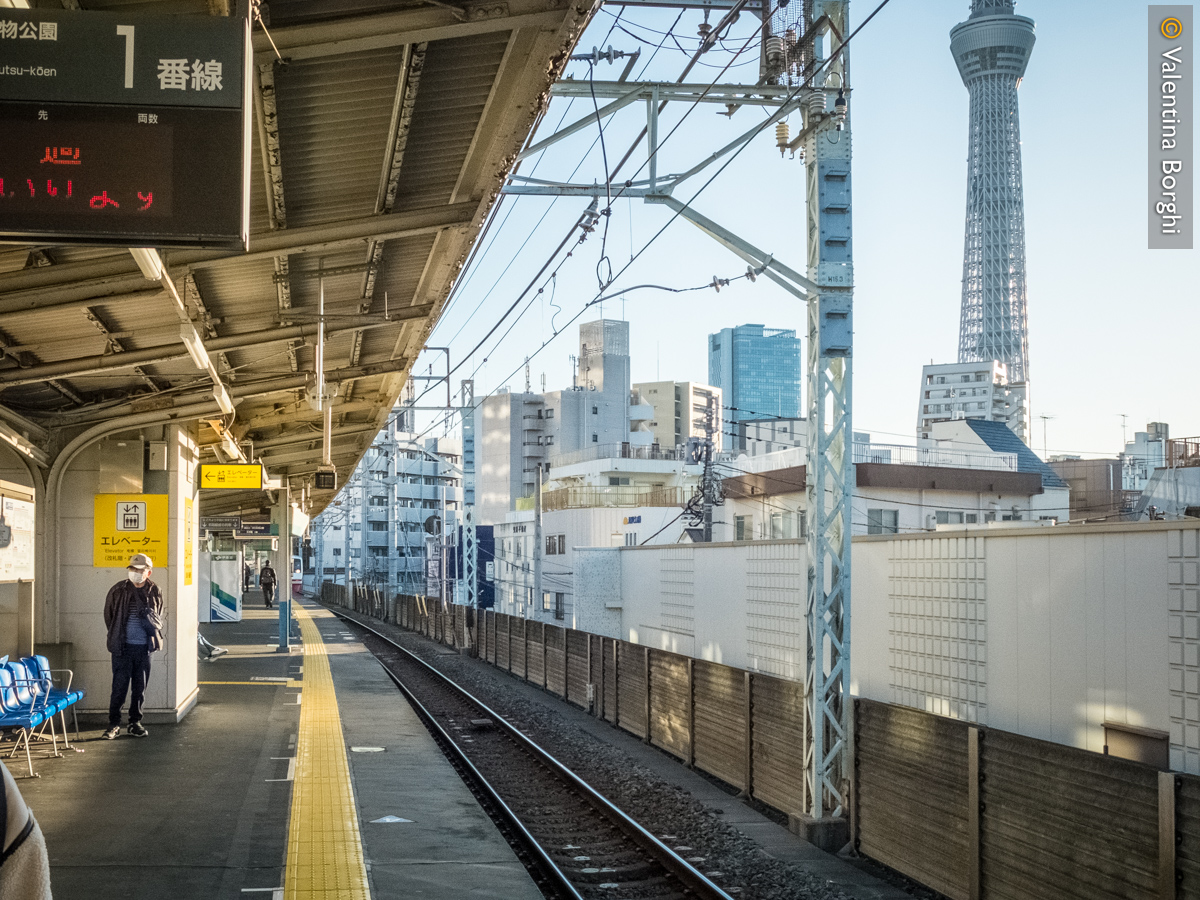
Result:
[493,640]
[611,688]
[670,702]
[1187,845]
[778,725]
[503,642]
[631,694]
[720,704]
[578,676]
[1058,821]
[517,628]
[556,659]
[535,660]
[911,774]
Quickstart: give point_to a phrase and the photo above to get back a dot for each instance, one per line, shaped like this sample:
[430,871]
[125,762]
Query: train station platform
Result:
[300,775]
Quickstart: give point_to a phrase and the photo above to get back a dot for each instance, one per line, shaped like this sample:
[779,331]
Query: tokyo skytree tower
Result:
[992,50]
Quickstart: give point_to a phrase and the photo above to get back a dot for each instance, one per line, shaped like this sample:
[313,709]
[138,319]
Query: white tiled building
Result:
[972,391]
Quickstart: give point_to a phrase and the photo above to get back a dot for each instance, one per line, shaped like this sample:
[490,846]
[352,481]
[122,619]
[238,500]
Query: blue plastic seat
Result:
[59,698]
[18,717]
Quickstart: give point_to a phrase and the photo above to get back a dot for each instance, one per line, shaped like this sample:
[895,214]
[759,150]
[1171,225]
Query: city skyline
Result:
[1087,261]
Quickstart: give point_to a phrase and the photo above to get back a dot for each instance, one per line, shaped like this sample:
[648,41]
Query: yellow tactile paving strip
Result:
[324,856]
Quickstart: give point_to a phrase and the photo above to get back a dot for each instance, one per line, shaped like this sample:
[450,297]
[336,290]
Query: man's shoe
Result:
[137,729]
[112,732]
[217,651]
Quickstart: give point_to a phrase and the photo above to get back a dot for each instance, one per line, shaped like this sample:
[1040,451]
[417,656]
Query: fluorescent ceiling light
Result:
[148,261]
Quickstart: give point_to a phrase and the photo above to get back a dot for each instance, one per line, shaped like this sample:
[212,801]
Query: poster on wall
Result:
[189,541]
[125,524]
[16,539]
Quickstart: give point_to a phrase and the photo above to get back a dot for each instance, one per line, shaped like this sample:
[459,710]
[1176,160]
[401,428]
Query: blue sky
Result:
[1113,326]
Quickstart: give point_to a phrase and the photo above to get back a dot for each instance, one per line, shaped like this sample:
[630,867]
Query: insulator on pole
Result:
[839,109]
[781,137]
[773,55]
[816,103]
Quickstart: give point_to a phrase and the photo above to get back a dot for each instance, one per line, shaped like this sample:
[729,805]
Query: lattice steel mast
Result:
[992,50]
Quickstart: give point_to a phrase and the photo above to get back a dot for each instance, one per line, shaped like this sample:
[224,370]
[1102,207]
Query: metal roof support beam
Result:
[114,361]
[411,26]
[60,285]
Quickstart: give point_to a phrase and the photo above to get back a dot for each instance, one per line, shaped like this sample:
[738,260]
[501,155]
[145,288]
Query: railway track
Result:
[574,842]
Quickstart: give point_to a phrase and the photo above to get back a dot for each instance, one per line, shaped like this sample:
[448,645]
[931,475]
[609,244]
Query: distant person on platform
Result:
[267,581]
[249,578]
[133,614]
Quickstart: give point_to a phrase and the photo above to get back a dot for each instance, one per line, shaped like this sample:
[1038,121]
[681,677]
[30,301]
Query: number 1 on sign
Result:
[126,31]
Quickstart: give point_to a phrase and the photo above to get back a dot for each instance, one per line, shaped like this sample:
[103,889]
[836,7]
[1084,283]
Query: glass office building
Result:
[758,370]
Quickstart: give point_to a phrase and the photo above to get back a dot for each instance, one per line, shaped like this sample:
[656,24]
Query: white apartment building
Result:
[613,495]
[972,391]
[1145,453]
[375,531]
[679,412]
[969,472]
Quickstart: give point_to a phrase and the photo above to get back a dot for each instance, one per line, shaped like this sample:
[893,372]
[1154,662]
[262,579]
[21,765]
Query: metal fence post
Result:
[974,885]
[646,673]
[691,712]
[1167,832]
[748,753]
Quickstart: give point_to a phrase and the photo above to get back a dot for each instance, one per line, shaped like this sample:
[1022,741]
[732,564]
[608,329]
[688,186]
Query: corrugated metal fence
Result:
[974,813]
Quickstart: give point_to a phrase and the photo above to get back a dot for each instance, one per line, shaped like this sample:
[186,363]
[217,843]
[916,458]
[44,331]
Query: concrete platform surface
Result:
[200,809]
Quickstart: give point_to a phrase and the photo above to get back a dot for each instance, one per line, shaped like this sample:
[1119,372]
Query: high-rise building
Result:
[758,370]
[971,391]
[992,50]
[679,412]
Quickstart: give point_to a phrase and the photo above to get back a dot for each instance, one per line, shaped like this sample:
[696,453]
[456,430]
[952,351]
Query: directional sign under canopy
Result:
[123,129]
[231,477]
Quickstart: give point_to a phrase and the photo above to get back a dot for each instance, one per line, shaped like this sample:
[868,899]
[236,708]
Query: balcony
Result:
[906,454]
[613,497]
[615,451]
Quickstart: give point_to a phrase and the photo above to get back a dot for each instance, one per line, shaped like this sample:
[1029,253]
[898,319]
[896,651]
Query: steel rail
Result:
[664,855]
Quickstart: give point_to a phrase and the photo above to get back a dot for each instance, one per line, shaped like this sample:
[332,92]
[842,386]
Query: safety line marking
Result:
[290,683]
[325,855]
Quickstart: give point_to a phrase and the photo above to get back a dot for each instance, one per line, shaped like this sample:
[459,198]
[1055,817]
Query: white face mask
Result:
[138,578]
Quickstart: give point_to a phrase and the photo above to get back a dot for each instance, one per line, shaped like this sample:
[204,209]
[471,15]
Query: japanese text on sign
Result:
[125,524]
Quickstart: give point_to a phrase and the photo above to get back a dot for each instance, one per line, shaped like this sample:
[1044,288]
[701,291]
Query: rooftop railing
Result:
[615,451]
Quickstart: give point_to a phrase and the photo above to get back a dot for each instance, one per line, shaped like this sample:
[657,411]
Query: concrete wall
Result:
[1048,632]
[82,587]
[14,625]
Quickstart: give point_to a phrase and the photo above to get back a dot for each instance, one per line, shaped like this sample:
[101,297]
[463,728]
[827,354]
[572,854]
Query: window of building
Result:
[356,526]
[562,544]
[595,438]
[549,414]
[560,604]
[972,518]
[595,410]
[551,545]
[883,521]
[378,552]
[966,378]
[378,500]
[337,527]
[617,481]
[337,551]
[355,552]
[741,528]
[631,539]
[1015,517]
[941,379]
[946,517]
[378,526]
[547,601]
[549,439]
[981,376]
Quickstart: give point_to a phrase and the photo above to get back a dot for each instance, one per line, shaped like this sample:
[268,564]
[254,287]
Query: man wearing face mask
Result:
[133,614]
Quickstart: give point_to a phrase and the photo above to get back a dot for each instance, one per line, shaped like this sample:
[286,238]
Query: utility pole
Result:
[537,542]
[470,545]
[830,470]
[708,486]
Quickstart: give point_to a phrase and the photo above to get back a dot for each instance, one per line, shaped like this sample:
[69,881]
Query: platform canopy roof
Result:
[383,131]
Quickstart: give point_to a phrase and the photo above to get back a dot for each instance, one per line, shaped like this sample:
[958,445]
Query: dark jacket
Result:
[267,577]
[116,610]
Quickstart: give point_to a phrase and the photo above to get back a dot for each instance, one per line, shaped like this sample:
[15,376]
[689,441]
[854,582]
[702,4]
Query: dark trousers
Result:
[268,590]
[131,672]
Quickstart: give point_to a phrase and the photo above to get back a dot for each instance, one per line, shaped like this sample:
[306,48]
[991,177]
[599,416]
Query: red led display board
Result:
[123,130]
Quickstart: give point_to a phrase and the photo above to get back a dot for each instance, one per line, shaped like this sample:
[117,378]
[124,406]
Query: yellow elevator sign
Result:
[234,477]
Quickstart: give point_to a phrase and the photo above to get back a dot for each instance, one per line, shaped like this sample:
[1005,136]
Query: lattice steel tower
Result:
[992,50]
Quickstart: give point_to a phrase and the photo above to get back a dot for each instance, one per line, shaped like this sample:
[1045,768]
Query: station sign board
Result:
[220,523]
[124,129]
[235,477]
